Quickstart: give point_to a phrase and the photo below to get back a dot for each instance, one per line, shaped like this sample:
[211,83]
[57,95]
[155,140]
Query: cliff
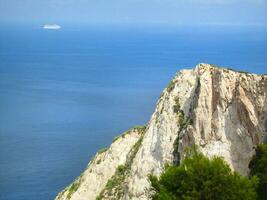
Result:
[222,111]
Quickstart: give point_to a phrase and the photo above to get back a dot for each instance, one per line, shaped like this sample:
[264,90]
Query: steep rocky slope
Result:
[222,111]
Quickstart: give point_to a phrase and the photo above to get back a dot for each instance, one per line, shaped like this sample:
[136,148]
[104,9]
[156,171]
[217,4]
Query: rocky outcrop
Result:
[222,111]
[102,167]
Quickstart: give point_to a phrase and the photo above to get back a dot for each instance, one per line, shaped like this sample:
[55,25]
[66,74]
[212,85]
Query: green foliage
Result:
[231,69]
[183,122]
[73,188]
[115,186]
[98,161]
[102,150]
[138,127]
[176,107]
[199,178]
[161,95]
[119,136]
[171,86]
[113,182]
[258,167]
[240,71]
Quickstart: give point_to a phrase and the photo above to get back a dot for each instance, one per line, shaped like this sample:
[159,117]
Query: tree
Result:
[200,178]
[258,167]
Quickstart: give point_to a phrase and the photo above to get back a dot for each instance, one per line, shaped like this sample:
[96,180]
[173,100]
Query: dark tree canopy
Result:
[200,178]
[258,167]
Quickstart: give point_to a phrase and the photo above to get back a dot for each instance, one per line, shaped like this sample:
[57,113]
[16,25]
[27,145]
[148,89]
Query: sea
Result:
[65,94]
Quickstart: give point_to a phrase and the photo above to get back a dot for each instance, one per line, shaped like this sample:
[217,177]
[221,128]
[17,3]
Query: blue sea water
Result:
[65,94]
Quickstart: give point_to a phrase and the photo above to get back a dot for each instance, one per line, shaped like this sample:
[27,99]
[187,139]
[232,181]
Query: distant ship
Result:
[51,26]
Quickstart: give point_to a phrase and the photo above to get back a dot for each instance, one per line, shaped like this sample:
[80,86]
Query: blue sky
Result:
[222,12]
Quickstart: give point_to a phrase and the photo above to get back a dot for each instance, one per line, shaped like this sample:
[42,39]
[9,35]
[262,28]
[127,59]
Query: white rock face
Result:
[101,168]
[222,111]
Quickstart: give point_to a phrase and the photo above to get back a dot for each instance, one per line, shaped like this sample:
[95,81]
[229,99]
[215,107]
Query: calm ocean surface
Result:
[65,94]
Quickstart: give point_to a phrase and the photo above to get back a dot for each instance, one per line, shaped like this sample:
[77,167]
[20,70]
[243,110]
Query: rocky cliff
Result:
[222,111]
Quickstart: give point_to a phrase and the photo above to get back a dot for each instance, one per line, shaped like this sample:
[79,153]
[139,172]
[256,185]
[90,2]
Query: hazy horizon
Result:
[139,12]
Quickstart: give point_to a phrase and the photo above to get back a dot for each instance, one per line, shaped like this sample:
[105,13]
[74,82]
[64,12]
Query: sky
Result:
[221,12]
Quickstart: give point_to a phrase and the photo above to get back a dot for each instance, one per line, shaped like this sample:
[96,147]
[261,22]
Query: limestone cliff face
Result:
[222,111]
[101,168]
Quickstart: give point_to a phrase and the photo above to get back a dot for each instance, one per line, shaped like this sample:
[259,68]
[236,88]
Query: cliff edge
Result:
[222,111]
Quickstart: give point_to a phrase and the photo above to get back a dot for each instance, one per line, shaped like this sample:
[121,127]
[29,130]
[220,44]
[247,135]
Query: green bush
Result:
[137,127]
[73,188]
[115,187]
[176,107]
[102,150]
[171,86]
[258,167]
[199,178]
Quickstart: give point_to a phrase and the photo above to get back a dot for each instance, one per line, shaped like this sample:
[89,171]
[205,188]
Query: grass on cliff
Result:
[183,122]
[102,150]
[171,86]
[200,178]
[73,188]
[138,127]
[111,189]
[231,69]
[115,187]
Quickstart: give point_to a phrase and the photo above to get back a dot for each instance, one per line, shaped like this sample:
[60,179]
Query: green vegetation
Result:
[98,161]
[231,69]
[176,107]
[216,66]
[122,135]
[138,127]
[199,178]
[102,150]
[161,95]
[182,120]
[183,123]
[258,167]
[93,159]
[171,86]
[240,71]
[114,182]
[73,188]
[116,187]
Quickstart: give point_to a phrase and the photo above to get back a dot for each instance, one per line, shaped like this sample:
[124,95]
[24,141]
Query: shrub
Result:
[199,178]
[171,86]
[115,187]
[73,188]
[258,167]
[102,150]
[98,161]
[140,128]
[176,107]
